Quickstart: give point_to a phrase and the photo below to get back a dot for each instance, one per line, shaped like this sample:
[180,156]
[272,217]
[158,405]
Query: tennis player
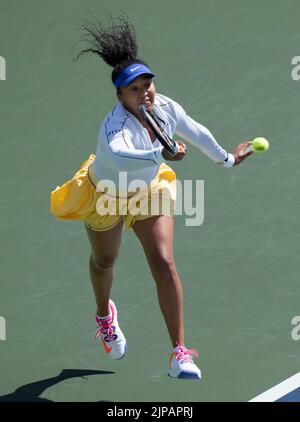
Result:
[127,144]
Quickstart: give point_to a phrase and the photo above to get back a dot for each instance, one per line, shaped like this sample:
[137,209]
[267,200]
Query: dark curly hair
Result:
[117,45]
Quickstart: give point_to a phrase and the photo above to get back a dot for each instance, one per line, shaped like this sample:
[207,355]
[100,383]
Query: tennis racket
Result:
[168,143]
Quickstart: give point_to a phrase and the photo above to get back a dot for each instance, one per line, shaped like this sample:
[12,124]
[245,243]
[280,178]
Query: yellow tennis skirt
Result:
[78,200]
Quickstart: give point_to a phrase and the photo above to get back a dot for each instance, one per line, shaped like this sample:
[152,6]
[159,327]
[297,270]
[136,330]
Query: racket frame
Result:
[169,144]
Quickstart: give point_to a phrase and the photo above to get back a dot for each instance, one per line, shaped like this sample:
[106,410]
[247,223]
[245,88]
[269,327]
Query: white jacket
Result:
[124,145]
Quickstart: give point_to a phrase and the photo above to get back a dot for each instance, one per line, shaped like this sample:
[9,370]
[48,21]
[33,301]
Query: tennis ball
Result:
[260,145]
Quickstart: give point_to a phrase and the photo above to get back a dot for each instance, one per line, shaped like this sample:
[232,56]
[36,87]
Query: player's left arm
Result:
[200,137]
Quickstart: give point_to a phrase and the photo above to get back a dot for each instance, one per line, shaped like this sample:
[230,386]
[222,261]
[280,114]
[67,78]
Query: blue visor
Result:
[130,73]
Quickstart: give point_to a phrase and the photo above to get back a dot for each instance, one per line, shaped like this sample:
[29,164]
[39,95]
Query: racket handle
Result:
[172,149]
[175,149]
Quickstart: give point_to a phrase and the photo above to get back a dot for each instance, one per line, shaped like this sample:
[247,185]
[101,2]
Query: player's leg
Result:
[105,247]
[156,237]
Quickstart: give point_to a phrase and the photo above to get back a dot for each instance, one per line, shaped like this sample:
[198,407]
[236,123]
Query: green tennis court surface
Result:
[229,64]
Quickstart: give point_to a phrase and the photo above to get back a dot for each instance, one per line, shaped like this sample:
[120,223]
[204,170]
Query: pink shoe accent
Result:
[106,327]
[183,354]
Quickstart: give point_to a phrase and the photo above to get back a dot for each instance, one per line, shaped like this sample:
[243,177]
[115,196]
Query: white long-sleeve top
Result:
[124,145]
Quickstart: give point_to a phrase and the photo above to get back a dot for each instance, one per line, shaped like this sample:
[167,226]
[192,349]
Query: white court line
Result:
[279,390]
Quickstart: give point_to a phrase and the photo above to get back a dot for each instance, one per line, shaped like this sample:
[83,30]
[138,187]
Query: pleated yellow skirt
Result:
[78,200]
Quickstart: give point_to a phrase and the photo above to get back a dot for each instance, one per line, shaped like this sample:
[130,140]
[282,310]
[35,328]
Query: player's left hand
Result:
[239,153]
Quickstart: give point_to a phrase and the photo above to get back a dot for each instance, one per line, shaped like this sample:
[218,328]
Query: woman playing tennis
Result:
[126,144]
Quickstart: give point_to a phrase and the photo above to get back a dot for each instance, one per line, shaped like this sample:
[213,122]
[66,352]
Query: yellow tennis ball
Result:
[260,145]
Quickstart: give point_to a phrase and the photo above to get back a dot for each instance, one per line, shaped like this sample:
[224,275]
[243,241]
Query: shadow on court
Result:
[31,392]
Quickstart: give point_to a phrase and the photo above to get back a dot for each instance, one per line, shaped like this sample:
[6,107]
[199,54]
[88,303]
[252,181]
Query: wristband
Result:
[229,162]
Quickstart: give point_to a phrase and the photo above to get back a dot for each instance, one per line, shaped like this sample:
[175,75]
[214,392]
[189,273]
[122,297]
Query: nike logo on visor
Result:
[134,68]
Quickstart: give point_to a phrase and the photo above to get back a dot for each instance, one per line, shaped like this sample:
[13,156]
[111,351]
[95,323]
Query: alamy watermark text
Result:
[169,198]
[2,328]
[296,330]
[2,69]
[296,70]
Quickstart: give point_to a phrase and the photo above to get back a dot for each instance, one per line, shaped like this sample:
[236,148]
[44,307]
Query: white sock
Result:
[103,317]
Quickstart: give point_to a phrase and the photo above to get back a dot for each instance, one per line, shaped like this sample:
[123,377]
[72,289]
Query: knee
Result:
[165,268]
[103,262]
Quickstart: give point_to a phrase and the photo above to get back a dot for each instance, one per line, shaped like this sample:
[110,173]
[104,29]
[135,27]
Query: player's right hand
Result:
[180,154]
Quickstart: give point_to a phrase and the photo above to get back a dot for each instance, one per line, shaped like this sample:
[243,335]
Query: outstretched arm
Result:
[200,137]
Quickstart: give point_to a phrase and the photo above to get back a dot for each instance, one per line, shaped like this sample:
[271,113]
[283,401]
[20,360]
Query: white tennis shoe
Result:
[181,363]
[111,335]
